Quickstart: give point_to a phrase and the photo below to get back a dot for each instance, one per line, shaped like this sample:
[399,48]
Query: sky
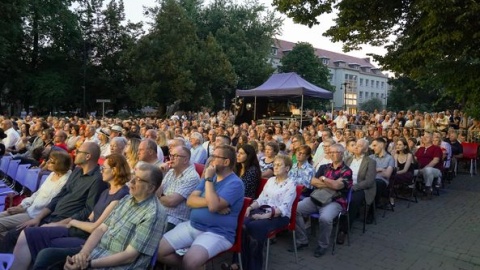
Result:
[290,31]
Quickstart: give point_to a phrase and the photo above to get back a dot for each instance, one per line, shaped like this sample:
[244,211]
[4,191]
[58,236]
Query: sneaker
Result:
[299,247]
[319,252]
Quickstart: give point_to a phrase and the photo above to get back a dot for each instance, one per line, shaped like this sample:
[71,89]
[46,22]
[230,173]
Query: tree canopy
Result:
[435,43]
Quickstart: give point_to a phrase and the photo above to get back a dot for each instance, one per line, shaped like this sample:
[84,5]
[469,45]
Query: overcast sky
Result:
[290,31]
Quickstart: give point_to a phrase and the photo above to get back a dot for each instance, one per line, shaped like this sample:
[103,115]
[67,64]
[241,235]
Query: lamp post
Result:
[345,84]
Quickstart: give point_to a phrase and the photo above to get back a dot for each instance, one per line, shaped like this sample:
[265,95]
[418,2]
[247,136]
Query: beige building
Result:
[356,80]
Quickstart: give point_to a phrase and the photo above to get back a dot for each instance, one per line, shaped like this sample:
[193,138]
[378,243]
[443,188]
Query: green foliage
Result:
[435,43]
[371,105]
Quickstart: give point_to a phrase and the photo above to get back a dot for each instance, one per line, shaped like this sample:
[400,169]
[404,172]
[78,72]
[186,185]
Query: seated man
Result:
[129,236]
[385,166]
[178,184]
[216,204]
[336,176]
[428,157]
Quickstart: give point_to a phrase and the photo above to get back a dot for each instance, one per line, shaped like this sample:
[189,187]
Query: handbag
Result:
[323,196]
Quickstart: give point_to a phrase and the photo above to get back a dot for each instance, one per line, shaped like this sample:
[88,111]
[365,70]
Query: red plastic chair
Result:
[263,181]
[291,227]
[470,152]
[199,168]
[237,246]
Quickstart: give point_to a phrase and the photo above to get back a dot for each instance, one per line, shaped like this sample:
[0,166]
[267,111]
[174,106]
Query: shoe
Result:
[319,252]
[299,247]
[341,238]
[226,266]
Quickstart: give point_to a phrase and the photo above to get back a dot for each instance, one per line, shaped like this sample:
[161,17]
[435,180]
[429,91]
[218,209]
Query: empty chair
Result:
[4,163]
[12,168]
[470,152]
[21,173]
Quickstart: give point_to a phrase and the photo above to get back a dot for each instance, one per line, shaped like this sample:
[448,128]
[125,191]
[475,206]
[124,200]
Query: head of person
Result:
[151,134]
[6,124]
[282,165]
[59,162]
[147,151]
[271,149]
[117,145]
[115,170]
[115,131]
[196,139]
[224,158]
[75,130]
[401,146]
[336,153]
[87,154]
[361,147]
[89,131]
[437,140]
[247,157]
[452,136]
[145,182]
[47,134]
[427,138]
[378,146]
[60,137]
[297,140]
[351,142]
[131,150]
[179,157]
[222,140]
[103,135]
[304,154]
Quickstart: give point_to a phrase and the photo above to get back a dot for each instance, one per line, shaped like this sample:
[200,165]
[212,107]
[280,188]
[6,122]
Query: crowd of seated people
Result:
[76,220]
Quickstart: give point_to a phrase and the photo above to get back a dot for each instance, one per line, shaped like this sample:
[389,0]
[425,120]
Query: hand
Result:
[165,166]
[15,210]
[209,171]
[225,211]
[81,259]
[247,213]
[70,264]
[31,223]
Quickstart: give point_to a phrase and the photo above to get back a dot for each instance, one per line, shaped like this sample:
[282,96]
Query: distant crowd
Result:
[120,191]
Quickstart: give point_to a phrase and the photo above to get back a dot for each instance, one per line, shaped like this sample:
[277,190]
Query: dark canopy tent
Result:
[285,84]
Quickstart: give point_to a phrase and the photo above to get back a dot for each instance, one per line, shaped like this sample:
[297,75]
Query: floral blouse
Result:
[281,195]
[264,165]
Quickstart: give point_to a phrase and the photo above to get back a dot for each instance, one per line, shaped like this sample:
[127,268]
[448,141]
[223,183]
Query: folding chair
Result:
[6,261]
[31,179]
[291,227]
[343,212]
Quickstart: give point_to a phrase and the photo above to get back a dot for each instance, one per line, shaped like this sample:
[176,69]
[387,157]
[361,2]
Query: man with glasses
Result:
[75,200]
[178,184]
[129,237]
[335,176]
[216,203]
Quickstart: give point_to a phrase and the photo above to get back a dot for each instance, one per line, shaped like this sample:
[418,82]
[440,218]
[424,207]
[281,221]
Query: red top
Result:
[425,155]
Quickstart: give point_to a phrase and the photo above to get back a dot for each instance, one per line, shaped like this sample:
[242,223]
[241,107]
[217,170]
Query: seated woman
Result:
[404,164]
[302,171]
[247,169]
[59,163]
[116,172]
[266,162]
[277,199]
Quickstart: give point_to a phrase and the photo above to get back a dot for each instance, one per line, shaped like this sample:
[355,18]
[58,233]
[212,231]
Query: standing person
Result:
[341,120]
[216,204]
[248,169]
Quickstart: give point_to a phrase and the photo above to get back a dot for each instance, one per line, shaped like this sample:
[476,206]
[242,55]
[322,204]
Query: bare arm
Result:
[125,257]
[196,201]
[171,200]
[91,226]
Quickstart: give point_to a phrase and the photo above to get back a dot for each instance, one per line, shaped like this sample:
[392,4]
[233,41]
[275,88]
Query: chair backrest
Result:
[349,197]
[470,150]
[31,179]
[260,187]
[199,168]
[21,173]
[13,167]
[293,215]
[4,163]
[237,246]
[6,261]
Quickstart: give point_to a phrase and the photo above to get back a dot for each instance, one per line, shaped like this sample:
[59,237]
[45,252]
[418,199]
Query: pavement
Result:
[442,233]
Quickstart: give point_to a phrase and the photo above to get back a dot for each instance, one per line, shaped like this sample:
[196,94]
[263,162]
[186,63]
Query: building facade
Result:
[356,80]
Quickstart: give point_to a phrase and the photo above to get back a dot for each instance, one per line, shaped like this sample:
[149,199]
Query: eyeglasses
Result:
[176,156]
[138,179]
[215,156]
[335,152]
[103,168]
[52,161]
[82,152]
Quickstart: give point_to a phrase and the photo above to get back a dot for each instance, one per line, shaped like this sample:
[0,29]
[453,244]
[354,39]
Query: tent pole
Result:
[255,109]
[301,114]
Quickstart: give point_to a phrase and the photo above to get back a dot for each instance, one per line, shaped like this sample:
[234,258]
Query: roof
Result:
[286,84]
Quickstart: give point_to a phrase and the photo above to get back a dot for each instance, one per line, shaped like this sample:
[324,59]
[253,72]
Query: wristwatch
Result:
[209,179]
[322,178]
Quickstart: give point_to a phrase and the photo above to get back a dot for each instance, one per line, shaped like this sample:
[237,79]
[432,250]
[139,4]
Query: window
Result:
[360,94]
[376,95]
[325,61]
[366,82]
[382,95]
[383,85]
[372,82]
[366,94]
[274,51]
[361,82]
[346,77]
[377,84]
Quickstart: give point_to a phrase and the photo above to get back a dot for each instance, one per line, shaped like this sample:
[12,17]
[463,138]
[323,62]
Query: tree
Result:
[436,43]
[371,105]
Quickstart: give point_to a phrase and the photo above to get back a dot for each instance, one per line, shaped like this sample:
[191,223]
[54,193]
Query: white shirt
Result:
[12,138]
[355,167]
[341,121]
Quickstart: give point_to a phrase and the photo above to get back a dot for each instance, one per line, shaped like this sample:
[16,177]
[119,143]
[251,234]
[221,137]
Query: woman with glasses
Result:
[248,169]
[59,163]
[266,162]
[116,172]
